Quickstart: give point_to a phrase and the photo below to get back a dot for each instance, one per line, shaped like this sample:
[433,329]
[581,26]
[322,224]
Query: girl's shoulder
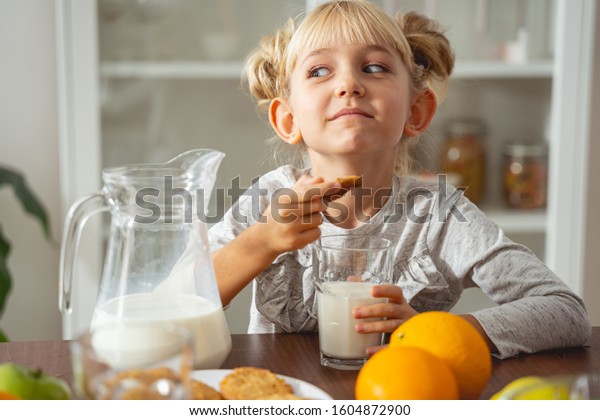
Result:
[424,187]
[434,196]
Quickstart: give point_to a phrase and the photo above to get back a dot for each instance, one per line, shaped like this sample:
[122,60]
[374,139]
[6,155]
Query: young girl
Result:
[349,87]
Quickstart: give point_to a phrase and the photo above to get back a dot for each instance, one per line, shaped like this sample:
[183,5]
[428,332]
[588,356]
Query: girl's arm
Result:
[291,222]
[471,320]
[535,310]
[239,262]
[397,311]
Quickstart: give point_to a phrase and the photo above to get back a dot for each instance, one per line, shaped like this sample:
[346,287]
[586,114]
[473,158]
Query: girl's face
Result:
[349,99]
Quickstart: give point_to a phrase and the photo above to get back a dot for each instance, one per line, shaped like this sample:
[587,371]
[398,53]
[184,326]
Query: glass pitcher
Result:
[158,267]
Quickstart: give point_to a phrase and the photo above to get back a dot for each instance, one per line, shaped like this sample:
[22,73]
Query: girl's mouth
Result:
[350,113]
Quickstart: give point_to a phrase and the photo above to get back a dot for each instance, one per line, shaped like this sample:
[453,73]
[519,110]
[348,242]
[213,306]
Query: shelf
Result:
[501,70]
[233,69]
[518,221]
[172,69]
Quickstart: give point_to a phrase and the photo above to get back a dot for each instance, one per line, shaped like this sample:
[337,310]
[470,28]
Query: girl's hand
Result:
[395,311]
[294,216]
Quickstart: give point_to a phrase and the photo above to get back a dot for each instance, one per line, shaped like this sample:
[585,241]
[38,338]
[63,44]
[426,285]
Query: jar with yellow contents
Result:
[525,174]
[463,156]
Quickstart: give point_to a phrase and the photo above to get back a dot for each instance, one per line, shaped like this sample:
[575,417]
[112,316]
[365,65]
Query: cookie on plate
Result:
[250,383]
[202,391]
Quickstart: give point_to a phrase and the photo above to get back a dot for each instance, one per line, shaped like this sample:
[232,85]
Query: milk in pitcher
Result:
[207,322]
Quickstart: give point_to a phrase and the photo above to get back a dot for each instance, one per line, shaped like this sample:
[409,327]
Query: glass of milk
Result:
[345,268]
[133,361]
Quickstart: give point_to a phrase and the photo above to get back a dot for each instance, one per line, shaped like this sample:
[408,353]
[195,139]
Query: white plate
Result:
[301,388]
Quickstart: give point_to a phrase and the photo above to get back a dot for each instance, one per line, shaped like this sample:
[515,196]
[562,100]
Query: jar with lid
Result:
[525,174]
[463,156]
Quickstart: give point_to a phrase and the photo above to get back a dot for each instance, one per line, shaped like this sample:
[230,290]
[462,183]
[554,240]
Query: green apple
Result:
[31,384]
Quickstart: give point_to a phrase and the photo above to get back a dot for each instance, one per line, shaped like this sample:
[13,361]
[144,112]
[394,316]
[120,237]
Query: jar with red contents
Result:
[463,156]
[525,174]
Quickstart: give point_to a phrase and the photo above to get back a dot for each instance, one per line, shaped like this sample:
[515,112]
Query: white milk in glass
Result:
[337,336]
[207,322]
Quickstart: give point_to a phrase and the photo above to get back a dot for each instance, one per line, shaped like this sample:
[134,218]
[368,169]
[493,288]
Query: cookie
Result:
[202,391]
[140,393]
[349,182]
[249,383]
[146,376]
[137,384]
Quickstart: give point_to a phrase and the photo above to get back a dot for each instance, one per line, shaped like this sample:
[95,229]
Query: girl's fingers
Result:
[390,291]
[374,349]
[308,236]
[292,212]
[395,307]
[383,326]
[383,317]
[381,310]
[309,180]
[312,219]
[312,206]
[303,192]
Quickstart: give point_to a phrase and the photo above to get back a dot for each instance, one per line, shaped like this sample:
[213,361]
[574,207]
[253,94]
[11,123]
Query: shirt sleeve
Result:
[250,206]
[536,310]
[281,295]
[246,211]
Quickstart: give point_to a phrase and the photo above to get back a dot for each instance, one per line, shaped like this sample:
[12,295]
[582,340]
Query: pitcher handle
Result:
[79,212]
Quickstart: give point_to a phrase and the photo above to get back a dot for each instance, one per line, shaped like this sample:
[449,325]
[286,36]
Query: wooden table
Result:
[297,355]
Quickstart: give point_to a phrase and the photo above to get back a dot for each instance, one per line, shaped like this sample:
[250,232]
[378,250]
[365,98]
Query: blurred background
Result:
[87,84]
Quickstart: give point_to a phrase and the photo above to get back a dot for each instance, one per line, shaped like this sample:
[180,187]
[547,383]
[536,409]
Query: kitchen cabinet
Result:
[142,81]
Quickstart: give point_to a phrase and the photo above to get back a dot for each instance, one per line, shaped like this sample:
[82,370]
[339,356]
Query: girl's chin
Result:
[355,157]
[350,145]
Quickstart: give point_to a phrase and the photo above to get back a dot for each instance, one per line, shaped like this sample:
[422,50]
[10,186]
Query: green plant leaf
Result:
[3,337]
[29,201]
[5,281]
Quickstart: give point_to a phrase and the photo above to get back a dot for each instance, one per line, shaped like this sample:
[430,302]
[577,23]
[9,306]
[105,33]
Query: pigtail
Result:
[431,50]
[264,66]
[266,77]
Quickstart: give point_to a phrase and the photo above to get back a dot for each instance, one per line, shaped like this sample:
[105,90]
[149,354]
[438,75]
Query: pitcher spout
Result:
[200,167]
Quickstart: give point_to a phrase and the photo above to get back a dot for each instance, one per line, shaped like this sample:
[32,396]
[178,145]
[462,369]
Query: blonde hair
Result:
[418,40]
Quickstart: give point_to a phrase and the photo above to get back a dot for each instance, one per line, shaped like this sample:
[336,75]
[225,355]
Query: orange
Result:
[455,341]
[405,373]
[7,396]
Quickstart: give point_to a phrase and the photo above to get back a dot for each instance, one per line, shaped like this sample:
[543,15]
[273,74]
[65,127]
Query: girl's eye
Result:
[318,72]
[375,68]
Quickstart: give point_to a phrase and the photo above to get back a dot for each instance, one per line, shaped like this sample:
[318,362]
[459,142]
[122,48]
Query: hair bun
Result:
[429,45]
[431,51]
[264,65]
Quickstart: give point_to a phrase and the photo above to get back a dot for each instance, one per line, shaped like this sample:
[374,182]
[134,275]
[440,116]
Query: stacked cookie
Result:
[246,383]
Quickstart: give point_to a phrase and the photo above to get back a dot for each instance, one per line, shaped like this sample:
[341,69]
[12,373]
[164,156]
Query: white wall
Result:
[29,142]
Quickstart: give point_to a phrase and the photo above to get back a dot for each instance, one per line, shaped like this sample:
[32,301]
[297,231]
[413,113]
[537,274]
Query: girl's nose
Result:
[349,85]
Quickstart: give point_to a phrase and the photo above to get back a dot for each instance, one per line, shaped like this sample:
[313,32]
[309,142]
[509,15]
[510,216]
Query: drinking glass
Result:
[345,267]
[133,361]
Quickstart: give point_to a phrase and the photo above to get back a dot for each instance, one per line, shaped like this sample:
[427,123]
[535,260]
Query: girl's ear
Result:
[282,121]
[421,113]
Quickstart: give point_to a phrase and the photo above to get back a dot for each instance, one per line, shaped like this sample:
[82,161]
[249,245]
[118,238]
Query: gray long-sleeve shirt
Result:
[444,244]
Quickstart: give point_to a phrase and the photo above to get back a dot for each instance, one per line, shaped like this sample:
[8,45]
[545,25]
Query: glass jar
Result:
[463,156]
[525,174]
